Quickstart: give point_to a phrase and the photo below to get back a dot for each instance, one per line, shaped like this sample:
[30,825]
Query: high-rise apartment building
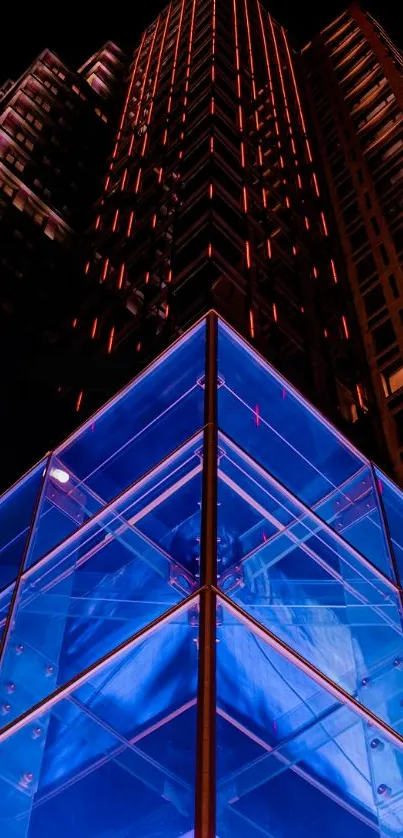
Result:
[56,126]
[213,197]
[355,85]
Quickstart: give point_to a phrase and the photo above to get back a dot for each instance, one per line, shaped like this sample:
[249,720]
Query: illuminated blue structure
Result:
[201,615]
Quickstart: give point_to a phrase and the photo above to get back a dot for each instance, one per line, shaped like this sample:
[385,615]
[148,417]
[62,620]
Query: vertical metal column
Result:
[206,716]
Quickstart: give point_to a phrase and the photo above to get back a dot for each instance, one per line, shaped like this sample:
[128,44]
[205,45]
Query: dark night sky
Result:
[75,30]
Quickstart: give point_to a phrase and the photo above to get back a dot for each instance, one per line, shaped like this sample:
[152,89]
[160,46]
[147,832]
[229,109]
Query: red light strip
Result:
[252,70]
[94,328]
[105,269]
[345,327]
[252,65]
[251,324]
[123,181]
[110,341]
[297,96]
[247,254]
[334,272]
[189,56]
[121,275]
[270,80]
[146,72]
[324,225]
[138,180]
[130,224]
[175,61]
[79,400]
[156,78]
[115,221]
[287,112]
[124,111]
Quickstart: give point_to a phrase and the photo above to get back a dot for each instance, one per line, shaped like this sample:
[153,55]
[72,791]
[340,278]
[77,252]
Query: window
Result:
[374,300]
[384,254]
[392,381]
[366,268]
[393,285]
[383,336]
[375,225]
[358,238]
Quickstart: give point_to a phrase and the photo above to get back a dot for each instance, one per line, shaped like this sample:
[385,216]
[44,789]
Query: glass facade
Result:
[202,617]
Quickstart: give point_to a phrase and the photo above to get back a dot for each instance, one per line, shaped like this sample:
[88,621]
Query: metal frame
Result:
[206,596]
[206,716]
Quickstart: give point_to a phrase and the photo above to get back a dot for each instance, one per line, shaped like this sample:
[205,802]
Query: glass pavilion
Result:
[201,617]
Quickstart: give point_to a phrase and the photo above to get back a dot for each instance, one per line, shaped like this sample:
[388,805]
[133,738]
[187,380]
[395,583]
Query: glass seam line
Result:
[309,669]
[66,689]
[17,584]
[307,510]
[109,507]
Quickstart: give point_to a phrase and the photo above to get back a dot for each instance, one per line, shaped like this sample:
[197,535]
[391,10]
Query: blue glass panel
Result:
[121,570]
[16,513]
[159,410]
[293,758]
[392,500]
[294,575]
[260,411]
[115,755]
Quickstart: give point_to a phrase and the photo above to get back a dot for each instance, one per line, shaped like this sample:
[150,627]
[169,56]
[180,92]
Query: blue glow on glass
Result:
[99,671]
[269,419]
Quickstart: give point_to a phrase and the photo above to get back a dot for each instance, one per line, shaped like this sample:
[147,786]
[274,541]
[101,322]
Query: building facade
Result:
[213,198]
[357,108]
[56,126]
[214,195]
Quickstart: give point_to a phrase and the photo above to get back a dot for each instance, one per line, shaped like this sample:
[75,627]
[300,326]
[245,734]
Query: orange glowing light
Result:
[110,341]
[105,269]
[115,221]
[121,275]
[130,224]
[251,324]
[334,272]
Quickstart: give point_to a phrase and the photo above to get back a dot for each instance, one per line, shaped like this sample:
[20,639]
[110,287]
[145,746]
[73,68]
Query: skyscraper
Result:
[357,108]
[200,588]
[213,197]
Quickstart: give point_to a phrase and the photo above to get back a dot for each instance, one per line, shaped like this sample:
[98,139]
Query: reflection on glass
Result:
[115,756]
[292,758]
[155,414]
[263,413]
[123,569]
[293,574]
